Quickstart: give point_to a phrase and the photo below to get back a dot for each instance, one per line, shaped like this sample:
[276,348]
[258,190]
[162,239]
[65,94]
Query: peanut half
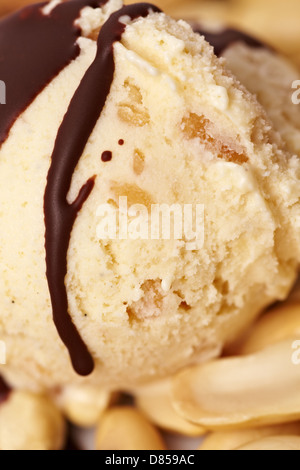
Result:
[256,390]
[83,405]
[125,428]
[155,402]
[276,325]
[274,443]
[232,440]
[30,422]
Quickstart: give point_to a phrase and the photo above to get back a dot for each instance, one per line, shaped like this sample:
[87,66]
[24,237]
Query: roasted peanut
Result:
[155,402]
[125,428]
[231,440]
[30,422]
[84,406]
[274,443]
[276,325]
[256,390]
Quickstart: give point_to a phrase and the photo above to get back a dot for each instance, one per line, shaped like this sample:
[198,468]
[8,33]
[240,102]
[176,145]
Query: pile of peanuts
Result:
[246,400]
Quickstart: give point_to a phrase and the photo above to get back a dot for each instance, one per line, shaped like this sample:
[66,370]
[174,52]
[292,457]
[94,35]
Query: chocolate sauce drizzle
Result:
[82,115]
[5,391]
[225,38]
[106,156]
[34,48]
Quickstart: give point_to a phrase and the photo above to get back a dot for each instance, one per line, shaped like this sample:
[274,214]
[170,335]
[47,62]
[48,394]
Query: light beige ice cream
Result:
[275,82]
[192,135]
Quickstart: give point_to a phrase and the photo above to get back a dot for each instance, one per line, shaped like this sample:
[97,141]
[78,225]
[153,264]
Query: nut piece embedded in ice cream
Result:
[30,422]
[198,127]
[247,391]
[138,162]
[134,194]
[125,428]
[132,111]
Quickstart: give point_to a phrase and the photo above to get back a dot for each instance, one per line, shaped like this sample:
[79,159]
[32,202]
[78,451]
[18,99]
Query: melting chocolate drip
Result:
[34,48]
[4,391]
[106,156]
[83,113]
[225,38]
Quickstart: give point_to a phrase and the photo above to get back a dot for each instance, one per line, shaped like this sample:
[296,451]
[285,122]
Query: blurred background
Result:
[274,21]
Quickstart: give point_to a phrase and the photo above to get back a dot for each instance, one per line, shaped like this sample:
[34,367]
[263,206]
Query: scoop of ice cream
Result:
[175,128]
[274,80]
[271,77]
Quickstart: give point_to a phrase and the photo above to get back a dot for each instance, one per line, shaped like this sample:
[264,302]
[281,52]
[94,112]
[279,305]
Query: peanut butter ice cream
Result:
[105,102]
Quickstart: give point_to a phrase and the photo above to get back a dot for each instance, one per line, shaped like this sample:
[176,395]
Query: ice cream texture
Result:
[266,73]
[178,128]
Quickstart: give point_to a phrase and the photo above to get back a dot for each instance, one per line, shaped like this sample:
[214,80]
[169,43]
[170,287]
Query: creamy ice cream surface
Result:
[175,128]
[266,73]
